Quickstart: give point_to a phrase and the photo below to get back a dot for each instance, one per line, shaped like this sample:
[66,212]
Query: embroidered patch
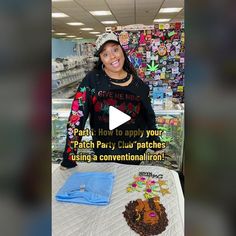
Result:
[149,186]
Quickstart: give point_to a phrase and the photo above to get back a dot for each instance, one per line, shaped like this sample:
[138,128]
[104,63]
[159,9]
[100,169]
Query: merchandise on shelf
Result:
[168,98]
[85,49]
[157,53]
[67,73]
[171,123]
[90,62]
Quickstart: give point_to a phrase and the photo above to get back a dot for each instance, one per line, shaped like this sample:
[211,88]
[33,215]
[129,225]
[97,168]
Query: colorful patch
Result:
[149,186]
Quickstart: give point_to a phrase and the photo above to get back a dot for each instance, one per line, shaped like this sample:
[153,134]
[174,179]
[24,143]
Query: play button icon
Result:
[116,118]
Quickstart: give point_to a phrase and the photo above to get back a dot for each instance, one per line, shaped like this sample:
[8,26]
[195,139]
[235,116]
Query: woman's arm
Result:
[76,122]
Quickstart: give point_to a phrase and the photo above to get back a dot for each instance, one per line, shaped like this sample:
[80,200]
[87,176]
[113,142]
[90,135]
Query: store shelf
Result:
[67,74]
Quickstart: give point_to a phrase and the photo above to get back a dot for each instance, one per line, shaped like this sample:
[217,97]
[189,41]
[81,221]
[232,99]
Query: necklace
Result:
[119,81]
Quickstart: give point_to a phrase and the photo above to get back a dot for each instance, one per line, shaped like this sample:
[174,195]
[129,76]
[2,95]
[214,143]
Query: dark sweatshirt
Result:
[93,98]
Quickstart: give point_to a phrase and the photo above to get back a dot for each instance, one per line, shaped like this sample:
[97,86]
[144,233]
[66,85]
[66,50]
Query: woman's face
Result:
[112,57]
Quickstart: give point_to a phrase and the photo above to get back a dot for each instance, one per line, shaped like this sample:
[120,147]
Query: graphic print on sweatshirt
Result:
[124,101]
[92,100]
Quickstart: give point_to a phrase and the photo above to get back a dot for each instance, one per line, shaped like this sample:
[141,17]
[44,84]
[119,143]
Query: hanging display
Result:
[157,53]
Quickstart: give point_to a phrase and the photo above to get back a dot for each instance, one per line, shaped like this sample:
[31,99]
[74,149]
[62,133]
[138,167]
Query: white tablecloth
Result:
[84,220]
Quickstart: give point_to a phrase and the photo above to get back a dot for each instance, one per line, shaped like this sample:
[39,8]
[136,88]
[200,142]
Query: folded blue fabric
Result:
[92,188]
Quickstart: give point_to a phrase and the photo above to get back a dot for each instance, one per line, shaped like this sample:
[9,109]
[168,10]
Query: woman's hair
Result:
[128,66]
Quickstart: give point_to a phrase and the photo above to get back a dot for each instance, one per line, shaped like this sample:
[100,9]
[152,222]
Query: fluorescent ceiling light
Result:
[170,9]
[87,29]
[53,30]
[161,20]
[79,38]
[58,15]
[75,23]
[101,13]
[98,35]
[71,36]
[94,32]
[60,33]
[109,22]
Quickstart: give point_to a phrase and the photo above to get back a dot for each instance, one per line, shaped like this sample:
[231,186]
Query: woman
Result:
[113,82]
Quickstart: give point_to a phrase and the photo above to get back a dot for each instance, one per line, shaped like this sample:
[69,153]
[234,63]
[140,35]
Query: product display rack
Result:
[157,52]
[67,74]
[171,122]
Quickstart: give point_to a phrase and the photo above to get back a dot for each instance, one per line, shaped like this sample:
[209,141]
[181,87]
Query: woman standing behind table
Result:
[113,82]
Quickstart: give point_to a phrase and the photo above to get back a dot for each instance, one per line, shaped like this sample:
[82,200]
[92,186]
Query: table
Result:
[86,220]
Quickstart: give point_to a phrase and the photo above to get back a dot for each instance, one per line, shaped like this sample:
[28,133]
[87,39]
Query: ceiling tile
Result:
[173,3]
[125,12]
[93,5]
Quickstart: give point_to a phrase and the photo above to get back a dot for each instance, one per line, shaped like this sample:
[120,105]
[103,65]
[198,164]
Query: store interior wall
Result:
[62,48]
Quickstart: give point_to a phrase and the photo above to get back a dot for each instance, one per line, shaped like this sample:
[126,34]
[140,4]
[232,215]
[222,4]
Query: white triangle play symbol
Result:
[116,118]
